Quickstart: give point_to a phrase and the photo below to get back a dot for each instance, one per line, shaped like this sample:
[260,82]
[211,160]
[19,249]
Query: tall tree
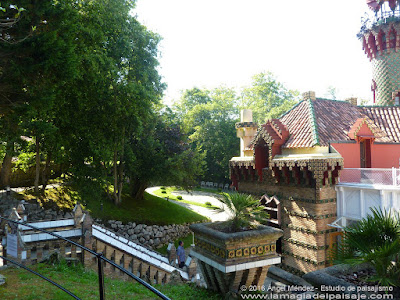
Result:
[161,155]
[209,118]
[267,97]
[114,95]
[32,73]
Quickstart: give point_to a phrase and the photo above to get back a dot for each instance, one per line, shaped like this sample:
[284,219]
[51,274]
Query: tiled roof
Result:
[387,118]
[321,121]
[298,122]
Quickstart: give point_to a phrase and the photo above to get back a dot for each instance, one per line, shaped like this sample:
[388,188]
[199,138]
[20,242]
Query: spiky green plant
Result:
[244,210]
[375,240]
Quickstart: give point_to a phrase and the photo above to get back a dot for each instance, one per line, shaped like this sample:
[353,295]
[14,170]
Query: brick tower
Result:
[380,37]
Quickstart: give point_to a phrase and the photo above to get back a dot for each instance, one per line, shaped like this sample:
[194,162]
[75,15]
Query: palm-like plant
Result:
[244,210]
[374,240]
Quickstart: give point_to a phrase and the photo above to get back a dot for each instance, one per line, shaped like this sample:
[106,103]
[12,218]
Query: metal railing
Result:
[370,176]
[100,259]
[384,15]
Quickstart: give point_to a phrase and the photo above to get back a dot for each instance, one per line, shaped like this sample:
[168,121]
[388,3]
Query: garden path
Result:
[201,197]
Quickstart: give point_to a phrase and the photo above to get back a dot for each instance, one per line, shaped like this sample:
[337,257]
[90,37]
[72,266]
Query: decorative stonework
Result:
[309,231]
[310,216]
[305,245]
[228,260]
[262,249]
[307,260]
[245,124]
[242,163]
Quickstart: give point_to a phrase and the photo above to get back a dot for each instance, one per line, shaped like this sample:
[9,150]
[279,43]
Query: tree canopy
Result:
[209,118]
[79,80]
[267,97]
[85,87]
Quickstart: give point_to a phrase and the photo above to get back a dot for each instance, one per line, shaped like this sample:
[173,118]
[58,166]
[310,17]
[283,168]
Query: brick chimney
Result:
[309,95]
[352,100]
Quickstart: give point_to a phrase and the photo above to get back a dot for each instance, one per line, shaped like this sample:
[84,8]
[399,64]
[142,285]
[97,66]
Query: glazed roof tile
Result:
[387,118]
[311,123]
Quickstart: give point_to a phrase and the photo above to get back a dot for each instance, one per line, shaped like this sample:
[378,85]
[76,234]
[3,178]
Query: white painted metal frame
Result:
[135,250]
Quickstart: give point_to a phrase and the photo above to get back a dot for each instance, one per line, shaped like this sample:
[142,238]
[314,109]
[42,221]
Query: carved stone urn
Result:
[231,262]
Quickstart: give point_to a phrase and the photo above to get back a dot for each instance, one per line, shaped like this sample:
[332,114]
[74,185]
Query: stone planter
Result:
[231,260]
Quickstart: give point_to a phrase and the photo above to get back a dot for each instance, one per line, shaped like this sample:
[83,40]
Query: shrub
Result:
[208,203]
[244,209]
[374,240]
[163,188]
[179,197]
[164,192]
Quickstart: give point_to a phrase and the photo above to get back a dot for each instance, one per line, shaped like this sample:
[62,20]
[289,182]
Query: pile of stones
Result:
[153,236]
[33,210]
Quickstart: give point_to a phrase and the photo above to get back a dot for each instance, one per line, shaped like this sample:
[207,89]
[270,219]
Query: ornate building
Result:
[294,163]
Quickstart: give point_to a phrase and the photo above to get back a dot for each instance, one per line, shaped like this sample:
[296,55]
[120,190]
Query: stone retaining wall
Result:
[153,236]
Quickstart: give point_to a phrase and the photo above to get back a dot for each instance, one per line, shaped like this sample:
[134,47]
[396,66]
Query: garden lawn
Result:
[21,284]
[151,210]
[169,194]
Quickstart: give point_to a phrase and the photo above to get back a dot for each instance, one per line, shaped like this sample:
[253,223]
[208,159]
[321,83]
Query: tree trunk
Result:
[121,167]
[37,171]
[119,170]
[46,170]
[115,169]
[137,189]
[5,173]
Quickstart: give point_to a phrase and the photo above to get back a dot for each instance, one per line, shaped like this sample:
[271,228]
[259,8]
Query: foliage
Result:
[375,240]
[331,92]
[161,156]
[151,210]
[10,14]
[244,210]
[267,97]
[209,118]
[86,88]
[25,161]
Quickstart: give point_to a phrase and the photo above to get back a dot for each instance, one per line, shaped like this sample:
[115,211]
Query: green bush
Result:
[179,197]
[208,203]
[244,209]
[163,188]
[164,192]
[375,240]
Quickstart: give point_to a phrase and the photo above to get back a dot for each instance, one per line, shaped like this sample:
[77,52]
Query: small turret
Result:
[246,130]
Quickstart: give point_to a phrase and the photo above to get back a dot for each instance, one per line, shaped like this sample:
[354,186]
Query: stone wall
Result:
[153,236]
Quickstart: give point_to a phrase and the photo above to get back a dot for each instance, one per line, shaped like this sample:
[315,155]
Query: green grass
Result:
[151,210]
[21,284]
[169,194]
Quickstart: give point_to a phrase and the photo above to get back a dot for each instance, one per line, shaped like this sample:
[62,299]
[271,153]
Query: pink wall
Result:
[385,156]
[350,154]
[382,155]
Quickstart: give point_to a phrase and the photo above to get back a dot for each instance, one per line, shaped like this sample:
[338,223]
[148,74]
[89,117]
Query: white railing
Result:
[370,176]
